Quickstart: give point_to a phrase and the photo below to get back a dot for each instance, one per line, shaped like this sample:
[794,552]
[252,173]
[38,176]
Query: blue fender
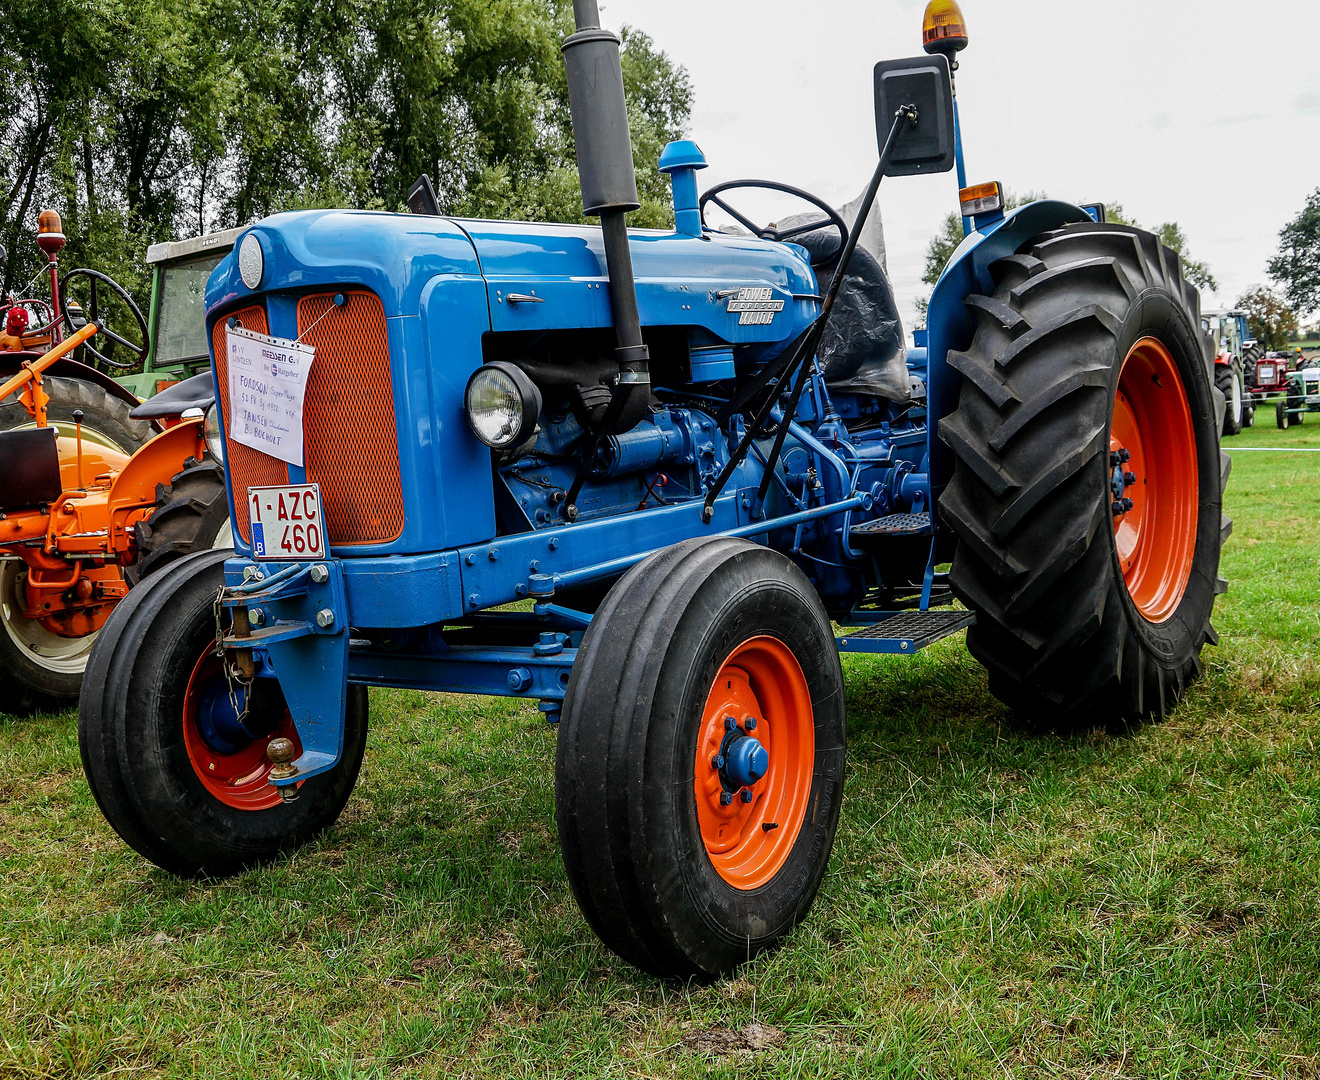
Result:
[950,324]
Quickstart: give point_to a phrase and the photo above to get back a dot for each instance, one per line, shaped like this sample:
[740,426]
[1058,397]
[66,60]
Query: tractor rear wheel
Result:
[177,771]
[1228,381]
[700,759]
[192,514]
[41,670]
[1088,478]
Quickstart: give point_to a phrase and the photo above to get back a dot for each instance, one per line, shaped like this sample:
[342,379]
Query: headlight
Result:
[251,262]
[502,405]
[211,429]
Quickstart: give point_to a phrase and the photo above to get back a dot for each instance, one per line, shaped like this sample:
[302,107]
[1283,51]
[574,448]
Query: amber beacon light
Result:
[943,29]
[50,232]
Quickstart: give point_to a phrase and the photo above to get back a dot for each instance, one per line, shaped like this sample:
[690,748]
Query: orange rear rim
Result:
[749,829]
[237,774]
[1153,480]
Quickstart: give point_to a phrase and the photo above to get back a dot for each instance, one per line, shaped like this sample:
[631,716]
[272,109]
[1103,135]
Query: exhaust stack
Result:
[609,189]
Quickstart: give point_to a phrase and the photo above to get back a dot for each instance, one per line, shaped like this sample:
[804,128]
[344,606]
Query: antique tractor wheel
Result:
[700,758]
[1088,478]
[40,669]
[179,772]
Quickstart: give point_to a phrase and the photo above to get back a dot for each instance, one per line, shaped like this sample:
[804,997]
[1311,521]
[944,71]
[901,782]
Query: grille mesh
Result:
[247,467]
[350,441]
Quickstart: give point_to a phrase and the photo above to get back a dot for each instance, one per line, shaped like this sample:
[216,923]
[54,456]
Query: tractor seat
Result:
[195,393]
[863,350]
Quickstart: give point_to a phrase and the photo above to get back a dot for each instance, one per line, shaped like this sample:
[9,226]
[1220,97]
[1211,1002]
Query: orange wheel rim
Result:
[1153,480]
[748,839]
[240,779]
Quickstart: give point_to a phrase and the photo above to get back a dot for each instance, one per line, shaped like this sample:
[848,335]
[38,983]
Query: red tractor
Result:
[96,488]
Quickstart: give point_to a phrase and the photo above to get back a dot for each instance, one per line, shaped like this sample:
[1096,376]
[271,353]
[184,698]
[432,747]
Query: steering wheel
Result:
[93,311]
[765,232]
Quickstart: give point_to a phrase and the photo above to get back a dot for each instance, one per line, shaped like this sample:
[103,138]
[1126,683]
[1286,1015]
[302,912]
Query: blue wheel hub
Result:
[742,759]
[220,724]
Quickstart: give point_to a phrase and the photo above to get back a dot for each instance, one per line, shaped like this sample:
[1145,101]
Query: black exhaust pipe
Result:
[609,189]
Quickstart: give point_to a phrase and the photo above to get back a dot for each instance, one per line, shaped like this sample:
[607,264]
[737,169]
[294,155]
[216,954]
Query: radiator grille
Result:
[247,467]
[350,441]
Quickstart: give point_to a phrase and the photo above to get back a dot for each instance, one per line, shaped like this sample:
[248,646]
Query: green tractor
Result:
[176,319]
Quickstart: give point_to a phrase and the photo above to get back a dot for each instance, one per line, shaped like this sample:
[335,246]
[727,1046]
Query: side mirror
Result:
[421,197]
[923,81]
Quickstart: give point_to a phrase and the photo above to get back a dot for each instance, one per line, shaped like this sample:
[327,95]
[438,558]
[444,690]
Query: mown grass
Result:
[1144,903]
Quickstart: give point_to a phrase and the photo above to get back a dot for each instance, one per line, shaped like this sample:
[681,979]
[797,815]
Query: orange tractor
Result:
[96,489]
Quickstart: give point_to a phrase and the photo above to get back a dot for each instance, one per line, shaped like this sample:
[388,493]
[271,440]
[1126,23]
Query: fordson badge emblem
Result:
[755,306]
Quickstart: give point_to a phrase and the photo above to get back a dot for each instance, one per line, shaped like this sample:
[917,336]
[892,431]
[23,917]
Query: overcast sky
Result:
[1206,113]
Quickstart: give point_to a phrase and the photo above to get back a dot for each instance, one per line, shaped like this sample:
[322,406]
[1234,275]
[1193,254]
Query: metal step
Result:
[893,525]
[905,632]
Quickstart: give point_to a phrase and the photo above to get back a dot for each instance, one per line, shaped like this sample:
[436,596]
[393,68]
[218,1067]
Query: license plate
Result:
[287,522]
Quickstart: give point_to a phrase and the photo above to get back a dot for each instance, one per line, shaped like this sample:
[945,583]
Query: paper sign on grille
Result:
[267,385]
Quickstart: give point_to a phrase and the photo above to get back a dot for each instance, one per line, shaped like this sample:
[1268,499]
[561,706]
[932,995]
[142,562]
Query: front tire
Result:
[1086,384]
[169,771]
[678,865]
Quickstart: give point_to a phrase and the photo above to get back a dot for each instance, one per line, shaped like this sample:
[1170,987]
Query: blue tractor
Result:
[655,482]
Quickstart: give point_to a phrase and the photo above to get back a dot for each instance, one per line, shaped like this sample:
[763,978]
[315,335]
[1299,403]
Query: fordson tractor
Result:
[646,480]
[96,489]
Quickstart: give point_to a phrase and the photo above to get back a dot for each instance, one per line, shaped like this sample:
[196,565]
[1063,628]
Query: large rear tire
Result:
[177,783]
[1086,384]
[686,856]
[1228,381]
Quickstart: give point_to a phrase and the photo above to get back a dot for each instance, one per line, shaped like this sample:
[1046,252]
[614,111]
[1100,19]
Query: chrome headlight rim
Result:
[251,261]
[211,430]
[523,405]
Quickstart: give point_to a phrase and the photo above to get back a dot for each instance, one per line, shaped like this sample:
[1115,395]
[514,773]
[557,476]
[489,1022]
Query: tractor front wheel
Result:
[700,758]
[176,756]
[1088,478]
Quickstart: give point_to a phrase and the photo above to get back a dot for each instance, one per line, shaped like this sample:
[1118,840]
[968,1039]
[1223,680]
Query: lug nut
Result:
[725,798]
[746,795]
[1117,507]
[750,724]
[325,618]
[730,723]
[1127,505]
[1129,478]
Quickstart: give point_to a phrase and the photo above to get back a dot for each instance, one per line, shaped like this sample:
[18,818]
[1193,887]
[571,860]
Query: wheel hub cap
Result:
[753,776]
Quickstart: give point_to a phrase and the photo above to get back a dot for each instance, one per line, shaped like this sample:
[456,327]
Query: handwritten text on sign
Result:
[267,383]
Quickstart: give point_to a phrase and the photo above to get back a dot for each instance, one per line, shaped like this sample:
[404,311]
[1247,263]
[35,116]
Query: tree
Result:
[1271,321]
[1297,265]
[147,122]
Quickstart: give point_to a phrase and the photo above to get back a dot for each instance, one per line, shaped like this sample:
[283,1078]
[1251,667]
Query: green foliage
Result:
[1297,264]
[1269,317]
[148,122]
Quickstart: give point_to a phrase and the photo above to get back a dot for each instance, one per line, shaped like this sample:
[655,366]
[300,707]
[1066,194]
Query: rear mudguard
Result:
[950,324]
[11,363]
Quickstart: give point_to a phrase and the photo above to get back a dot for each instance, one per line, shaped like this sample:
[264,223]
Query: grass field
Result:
[1144,903]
